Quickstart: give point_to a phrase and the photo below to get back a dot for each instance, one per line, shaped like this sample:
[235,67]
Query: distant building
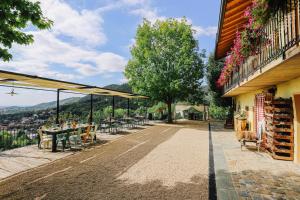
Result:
[192,112]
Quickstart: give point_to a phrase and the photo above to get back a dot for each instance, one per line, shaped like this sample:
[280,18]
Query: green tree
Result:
[213,71]
[120,112]
[15,16]
[166,64]
[107,111]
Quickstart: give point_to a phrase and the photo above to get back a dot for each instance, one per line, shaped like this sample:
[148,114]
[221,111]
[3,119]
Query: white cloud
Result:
[49,55]
[123,80]
[205,31]
[147,13]
[82,25]
[133,2]
[47,50]
[152,15]
[131,44]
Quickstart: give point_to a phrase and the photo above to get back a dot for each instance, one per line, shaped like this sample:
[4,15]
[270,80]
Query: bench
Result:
[249,137]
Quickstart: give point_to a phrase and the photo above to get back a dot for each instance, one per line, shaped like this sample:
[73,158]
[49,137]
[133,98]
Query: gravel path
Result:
[172,163]
[177,160]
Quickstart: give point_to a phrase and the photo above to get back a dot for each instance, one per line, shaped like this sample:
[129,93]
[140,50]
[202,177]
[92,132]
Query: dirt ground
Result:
[101,172]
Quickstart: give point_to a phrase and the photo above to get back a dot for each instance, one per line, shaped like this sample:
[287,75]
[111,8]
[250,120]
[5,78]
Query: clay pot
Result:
[243,123]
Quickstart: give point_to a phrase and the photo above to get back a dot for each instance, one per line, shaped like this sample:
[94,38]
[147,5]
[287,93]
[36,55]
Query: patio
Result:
[19,160]
[248,174]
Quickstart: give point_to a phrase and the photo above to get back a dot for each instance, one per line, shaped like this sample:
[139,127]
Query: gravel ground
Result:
[108,171]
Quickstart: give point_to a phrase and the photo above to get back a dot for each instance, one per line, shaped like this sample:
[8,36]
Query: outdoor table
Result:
[55,131]
[110,121]
[140,119]
[128,119]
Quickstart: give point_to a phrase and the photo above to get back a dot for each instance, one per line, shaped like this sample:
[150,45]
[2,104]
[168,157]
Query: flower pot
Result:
[243,124]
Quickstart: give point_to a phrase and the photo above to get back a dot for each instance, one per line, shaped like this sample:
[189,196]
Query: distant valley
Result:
[38,107]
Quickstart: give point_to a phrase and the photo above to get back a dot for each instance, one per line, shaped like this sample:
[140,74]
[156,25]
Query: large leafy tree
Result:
[166,64]
[15,16]
[213,71]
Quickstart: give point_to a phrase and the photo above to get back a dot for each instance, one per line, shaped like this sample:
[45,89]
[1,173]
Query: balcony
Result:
[277,62]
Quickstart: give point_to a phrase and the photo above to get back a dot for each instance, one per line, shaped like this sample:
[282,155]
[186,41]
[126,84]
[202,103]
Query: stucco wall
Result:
[247,99]
[284,90]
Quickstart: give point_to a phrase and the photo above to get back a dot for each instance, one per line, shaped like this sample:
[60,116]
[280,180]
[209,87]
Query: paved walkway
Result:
[160,162]
[248,174]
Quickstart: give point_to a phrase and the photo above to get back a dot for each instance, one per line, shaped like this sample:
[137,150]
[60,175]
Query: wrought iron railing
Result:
[283,32]
[17,137]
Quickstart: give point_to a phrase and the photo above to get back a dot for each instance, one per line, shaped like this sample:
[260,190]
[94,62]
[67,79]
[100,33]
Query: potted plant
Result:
[242,119]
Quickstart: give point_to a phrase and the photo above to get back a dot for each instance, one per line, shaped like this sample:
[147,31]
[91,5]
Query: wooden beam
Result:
[234,3]
[234,23]
[241,8]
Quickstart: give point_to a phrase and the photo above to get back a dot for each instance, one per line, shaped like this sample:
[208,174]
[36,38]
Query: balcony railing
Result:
[283,31]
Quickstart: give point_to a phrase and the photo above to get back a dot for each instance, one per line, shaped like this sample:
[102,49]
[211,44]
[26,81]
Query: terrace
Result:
[275,62]
[71,134]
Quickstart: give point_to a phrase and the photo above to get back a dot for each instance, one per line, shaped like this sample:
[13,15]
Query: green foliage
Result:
[107,111]
[218,112]
[213,70]
[158,108]
[141,111]
[15,16]
[98,115]
[8,141]
[119,113]
[165,63]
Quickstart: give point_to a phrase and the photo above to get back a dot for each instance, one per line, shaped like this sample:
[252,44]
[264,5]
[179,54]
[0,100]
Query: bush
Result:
[107,111]
[6,140]
[217,112]
[120,112]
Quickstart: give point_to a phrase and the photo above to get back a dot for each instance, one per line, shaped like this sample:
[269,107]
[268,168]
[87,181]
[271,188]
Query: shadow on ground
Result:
[98,178]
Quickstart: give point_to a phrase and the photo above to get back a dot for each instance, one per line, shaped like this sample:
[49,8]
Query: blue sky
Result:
[90,40]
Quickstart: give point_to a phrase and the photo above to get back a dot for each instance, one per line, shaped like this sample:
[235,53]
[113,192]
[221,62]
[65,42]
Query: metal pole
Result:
[57,107]
[113,106]
[91,111]
[128,107]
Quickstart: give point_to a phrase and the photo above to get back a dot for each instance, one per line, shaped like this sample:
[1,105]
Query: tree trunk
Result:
[170,120]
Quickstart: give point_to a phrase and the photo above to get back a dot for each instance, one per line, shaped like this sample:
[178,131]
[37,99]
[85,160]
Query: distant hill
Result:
[38,107]
[78,105]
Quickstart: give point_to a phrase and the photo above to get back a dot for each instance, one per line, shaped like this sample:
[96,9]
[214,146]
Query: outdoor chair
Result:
[123,123]
[45,140]
[93,133]
[104,126]
[86,135]
[75,140]
[61,139]
[130,123]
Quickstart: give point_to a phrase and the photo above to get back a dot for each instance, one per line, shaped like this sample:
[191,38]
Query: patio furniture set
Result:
[76,136]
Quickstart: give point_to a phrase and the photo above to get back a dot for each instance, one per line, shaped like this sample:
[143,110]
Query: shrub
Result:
[217,112]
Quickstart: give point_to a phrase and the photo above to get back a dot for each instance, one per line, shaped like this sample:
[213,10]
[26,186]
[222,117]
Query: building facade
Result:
[265,83]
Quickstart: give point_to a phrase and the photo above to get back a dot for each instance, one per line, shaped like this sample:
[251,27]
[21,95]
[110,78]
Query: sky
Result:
[90,41]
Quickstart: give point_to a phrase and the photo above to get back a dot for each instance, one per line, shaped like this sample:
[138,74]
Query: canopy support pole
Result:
[128,108]
[57,107]
[91,111]
[113,106]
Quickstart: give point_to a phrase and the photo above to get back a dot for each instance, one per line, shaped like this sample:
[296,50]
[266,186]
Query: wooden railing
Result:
[283,31]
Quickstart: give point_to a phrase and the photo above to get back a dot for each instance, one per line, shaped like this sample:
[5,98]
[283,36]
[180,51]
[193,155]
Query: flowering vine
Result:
[248,41]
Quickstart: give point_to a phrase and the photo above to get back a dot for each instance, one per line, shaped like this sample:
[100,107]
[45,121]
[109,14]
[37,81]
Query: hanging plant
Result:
[259,13]
[249,41]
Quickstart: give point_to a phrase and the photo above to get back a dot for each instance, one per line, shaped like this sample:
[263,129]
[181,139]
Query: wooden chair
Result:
[86,135]
[93,133]
[250,137]
[75,140]
[45,140]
